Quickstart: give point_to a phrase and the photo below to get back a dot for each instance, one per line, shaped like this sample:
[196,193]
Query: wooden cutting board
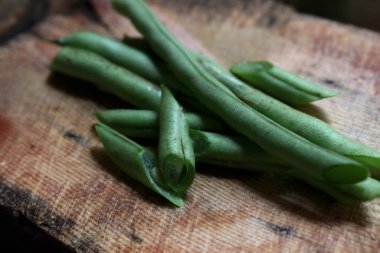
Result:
[54,171]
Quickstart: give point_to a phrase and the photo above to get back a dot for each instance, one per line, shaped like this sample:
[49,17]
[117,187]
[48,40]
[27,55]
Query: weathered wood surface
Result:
[18,15]
[53,170]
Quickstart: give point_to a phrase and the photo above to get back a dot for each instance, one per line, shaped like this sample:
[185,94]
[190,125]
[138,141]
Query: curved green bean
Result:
[272,137]
[108,77]
[309,127]
[135,161]
[280,84]
[175,150]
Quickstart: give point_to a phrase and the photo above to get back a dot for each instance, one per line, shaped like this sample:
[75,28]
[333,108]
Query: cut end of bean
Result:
[372,162]
[346,174]
[177,174]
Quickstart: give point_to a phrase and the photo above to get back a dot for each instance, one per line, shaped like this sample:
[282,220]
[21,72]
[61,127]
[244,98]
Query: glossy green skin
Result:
[135,161]
[107,76]
[175,150]
[311,128]
[280,84]
[272,137]
[137,119]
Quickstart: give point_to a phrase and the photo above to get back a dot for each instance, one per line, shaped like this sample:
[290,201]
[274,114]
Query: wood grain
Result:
[53,169]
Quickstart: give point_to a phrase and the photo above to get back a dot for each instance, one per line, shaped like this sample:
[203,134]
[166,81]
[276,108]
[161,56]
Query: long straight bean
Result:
[135,161]
[130,118]
[175,150]
[275,139]
[233,152]
[309,127]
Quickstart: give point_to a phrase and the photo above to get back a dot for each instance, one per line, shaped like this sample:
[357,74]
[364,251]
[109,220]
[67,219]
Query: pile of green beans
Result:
[272,137]
[244,127]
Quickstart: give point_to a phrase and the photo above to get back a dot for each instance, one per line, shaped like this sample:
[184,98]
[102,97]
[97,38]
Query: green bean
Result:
[116,52]
[129,118]
[275,139]
[175,151]
[233,152]
[107,76]
[280,84]
[366,190]
[135,161]
[140,133]
[311,128]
